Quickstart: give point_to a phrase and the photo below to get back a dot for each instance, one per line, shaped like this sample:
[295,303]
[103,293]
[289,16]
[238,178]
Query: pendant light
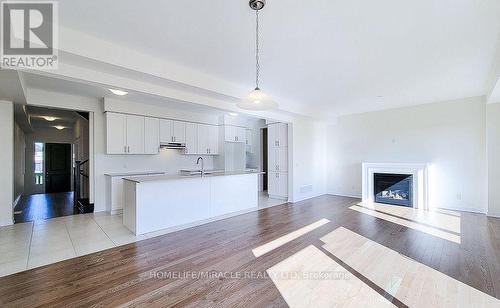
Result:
[256,99]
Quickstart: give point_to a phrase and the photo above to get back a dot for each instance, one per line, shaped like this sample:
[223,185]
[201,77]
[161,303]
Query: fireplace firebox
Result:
[395,189]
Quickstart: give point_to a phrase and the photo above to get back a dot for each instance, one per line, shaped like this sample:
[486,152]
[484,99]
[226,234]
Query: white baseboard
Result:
[493,214]
[461,209]
[346,195]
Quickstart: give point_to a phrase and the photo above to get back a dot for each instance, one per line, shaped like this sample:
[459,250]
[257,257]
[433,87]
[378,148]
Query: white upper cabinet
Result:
[124,134]
[135,134]
[172,131]
[179,131]
[151,135]
[191,138]
[213,140]
[166,133]
[203,139]
[116,133]
[234,133]
[248,137]
[277,135]
[208,139]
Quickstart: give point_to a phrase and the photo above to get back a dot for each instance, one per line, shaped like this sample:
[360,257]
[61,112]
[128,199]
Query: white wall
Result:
[7,160]
[493,141]
[449,135]
[307,159]
[45,135]
[19,161]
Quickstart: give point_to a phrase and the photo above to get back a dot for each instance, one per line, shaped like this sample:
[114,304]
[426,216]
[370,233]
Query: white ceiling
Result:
[337,57]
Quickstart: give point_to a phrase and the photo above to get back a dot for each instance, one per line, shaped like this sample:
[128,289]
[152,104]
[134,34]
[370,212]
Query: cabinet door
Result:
[203,139]
[272,133]
[282,184]
[213,140]
[248,137]
[282,134]
[272,183]
[166,134]
[151,135]
[135,134]
[240,134]
[115,133]
[179,131]
[191,138]
[230,133]
[282,158]
[272,159]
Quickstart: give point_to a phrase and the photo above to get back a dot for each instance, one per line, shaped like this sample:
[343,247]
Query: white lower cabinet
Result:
[277,185]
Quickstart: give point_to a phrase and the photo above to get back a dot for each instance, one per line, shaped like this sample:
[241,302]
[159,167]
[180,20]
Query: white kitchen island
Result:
[155,203]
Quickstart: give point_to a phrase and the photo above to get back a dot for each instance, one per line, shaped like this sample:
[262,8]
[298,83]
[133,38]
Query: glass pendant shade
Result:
[257,100]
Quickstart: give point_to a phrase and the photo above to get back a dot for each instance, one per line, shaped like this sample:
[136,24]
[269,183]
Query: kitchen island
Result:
[160,202]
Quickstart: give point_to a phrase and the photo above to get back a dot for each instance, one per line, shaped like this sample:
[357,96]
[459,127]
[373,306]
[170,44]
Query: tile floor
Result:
[32,244]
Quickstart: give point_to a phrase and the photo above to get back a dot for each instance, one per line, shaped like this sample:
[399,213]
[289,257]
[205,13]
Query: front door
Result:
[57,167]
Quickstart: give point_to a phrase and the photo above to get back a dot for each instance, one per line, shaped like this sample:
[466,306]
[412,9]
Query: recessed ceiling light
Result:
[50,119]
[59,127]
[118,92]
[234,114]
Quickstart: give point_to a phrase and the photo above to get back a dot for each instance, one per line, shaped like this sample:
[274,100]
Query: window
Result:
[39,163]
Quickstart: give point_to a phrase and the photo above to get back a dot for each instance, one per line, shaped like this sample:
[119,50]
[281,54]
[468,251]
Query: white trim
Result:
[419,171]
[493,214]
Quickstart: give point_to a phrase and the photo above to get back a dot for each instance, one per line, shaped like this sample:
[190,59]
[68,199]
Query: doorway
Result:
[57,167]
[53,178]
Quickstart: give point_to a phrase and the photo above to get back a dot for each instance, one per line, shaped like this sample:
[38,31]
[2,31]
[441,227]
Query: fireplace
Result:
[395,189]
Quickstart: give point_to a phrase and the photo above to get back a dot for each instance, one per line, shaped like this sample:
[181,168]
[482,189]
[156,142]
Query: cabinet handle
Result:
[277,175]
[125,148]
[278,167]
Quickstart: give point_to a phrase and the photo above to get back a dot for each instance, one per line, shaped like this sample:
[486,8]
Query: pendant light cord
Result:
[257,64]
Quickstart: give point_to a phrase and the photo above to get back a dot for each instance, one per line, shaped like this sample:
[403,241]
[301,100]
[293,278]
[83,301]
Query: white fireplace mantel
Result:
[420,180]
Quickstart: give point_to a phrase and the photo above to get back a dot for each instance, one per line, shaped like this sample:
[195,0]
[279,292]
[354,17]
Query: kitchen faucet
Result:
[202,168]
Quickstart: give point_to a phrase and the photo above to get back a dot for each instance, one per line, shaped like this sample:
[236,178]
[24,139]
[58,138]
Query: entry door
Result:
[57,167]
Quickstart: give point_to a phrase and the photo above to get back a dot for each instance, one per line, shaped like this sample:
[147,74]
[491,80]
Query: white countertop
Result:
[155,178]
[118,174]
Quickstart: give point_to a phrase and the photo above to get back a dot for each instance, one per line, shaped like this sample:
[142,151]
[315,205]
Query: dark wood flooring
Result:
[44,206]
[123,275]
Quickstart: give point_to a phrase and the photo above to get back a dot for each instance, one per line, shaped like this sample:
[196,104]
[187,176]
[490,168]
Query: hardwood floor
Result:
[44,206]
[213,265]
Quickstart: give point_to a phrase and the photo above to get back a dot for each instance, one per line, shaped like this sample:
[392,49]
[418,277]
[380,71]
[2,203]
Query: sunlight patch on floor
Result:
[411,282]
[310,278]
[423,221]
[261,250]
[442,219]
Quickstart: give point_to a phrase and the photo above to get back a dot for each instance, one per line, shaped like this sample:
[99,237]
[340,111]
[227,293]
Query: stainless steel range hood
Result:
[173,145]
